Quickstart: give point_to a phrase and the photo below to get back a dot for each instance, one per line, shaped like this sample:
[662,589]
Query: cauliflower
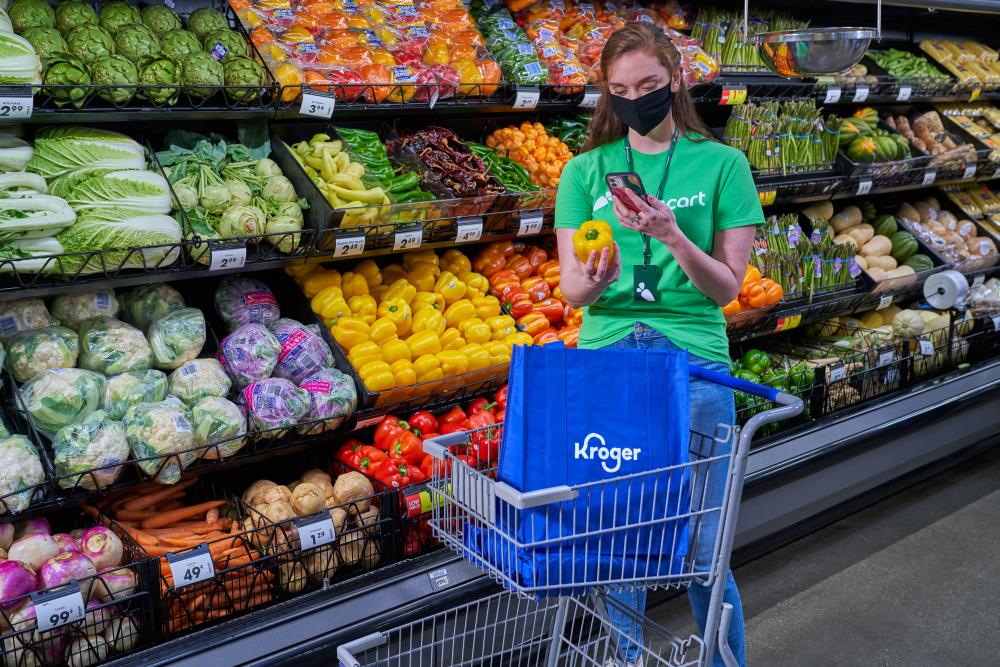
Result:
[90,454]
[161,438]
[72,309]
[143,305]
[111,347]
[198,379]
[24,315]
[217,420]
[31,352]
[177,337]
[20,471]
[61,396]
[128,389]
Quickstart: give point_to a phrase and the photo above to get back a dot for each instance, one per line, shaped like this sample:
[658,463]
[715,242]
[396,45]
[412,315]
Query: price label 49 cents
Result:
[58,607]
[531,223]
[191,566]
[408,239]
[315,530]
[469,230]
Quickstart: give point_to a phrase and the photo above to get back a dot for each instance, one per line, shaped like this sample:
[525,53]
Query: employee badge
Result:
[645,282]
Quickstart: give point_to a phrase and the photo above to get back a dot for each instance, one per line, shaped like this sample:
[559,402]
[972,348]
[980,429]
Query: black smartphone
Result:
[626,180]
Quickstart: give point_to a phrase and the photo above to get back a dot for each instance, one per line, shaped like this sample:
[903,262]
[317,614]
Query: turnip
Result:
[99,615]
[17,654]
[6,535]
[122,634]
[115,585]
[36,526]
[50,646]
[86,651]
[16,580]
[66,567]
[102,546]
[33,549]
[65,542]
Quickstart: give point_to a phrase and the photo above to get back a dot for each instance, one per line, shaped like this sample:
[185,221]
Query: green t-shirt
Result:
[710,188]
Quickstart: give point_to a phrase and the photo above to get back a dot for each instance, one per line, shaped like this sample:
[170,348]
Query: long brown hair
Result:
[605,126]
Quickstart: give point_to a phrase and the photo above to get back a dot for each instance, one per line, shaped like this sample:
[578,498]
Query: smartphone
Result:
[623,180]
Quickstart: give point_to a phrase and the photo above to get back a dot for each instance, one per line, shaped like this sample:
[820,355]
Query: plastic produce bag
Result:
[23,315]
[161,433]
[72,309]
[62,396]
[217,420]
[131,388]
[111,347]
[302,351]
[177,337]
[249,353]
[142,305]
[275,404]
[198,379]
[31,352]
[22,473]
[332,398]
[88,454]
[241,301]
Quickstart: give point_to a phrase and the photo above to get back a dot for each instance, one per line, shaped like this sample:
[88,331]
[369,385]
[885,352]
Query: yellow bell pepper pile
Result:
[422,319]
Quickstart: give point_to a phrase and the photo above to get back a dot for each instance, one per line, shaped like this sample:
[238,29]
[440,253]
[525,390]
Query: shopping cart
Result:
[541,544]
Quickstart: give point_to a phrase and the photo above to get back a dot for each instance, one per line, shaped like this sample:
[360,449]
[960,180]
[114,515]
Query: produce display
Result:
[927,132]
[367,148]
[970,62]
[975,200]
[779,138]
[954,240]
[863,140]
[531,145]
[883,251]
[980,120]
[721,34]
[446,165]
[779,371]
[902,64]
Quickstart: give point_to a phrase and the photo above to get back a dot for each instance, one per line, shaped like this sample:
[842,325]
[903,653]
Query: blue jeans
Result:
[711,405]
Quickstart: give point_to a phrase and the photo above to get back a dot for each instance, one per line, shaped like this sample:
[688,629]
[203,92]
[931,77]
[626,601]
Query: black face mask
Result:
[644,113]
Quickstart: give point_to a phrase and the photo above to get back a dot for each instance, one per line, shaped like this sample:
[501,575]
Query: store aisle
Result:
[913,581]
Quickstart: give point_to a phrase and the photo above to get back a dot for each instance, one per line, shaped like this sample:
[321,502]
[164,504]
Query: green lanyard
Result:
[647,253]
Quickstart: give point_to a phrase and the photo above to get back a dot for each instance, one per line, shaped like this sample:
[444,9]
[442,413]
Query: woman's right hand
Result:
[601,271]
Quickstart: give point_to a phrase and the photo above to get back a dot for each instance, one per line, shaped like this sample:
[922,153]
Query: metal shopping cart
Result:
[558,553]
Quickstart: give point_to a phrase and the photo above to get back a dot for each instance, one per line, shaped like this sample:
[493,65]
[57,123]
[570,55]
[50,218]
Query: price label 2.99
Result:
[58,607]
[317,104]
[315,530]
[526,97]
[408,239]
[531,223]
[16,107]
[469,230]
[349,245]
[191,566]
[228,256]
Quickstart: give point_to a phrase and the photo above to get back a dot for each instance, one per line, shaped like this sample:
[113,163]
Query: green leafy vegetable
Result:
[119,231]
[60,150]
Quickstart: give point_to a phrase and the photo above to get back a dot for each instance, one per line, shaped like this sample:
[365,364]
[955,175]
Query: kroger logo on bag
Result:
[594,448]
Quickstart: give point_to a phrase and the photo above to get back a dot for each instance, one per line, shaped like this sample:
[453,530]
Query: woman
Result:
[679,255]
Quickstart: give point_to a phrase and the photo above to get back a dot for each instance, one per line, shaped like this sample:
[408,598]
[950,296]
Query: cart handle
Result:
[726,380]
[345,652]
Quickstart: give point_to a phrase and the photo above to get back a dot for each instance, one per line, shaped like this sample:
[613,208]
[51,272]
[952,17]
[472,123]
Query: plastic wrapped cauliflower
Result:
[302,352]
[20,472]
[31,352]
[132,388]
[24,315]
[62,396]
[217,420]
[111,347]
[275,403]
[332,398]
[72,309]
[142,305]
[90,454]
[249,354]
[198,379]
[177,337]
[161,434]
[242,301]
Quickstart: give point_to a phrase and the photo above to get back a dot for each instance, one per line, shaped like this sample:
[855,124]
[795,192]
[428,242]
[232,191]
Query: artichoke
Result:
[201,74]
[46,41]
[160,19]
[232,42]
[90,43]
[118,14]
[243,71]
[67,72]
[26,14]
[158,74]
[73,15]
[205,20]
[178,43]
[136,41]
[115,71]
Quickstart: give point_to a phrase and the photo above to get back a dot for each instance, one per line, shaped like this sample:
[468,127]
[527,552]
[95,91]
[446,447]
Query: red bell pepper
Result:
[453,427]
[519,304]
[537,289]
[520,265]
[456,414]
[387,431]
[395,473]
[500,415]
[485,442]
[551,308]
[349,452]
[372,461]
[501,398]
[481,405]
[427,465]
[547,336]
[424,422]
[407,446]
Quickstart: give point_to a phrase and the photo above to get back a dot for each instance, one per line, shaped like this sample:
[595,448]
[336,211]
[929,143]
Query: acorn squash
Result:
[885,225]
[886,149]
[863,149]
[867,115]
[904,245]
[851,129]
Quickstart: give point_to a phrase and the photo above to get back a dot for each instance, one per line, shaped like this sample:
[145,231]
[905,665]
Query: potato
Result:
[307,498]
[353,488]
[947,218]
[925,211]
[256,489]
[292,577]
[316,476]
[966,229]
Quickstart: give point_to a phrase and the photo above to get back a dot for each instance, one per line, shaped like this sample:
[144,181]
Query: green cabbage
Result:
[61,150]
[118,232]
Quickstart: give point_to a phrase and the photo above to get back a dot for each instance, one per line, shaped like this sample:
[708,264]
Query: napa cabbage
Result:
[32,215]
[19,64]
[61,150]
[139,190]
[126,236]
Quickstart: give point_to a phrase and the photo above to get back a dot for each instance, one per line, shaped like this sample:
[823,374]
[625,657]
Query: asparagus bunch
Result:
[791,136]
[800,263]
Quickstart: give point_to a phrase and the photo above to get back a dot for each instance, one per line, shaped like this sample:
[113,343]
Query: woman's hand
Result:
[583,283]
[599,270]
[650,216]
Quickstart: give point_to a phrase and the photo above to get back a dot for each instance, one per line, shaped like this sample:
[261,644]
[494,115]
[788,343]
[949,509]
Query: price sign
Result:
[191,567]
[228,256]
[832,95]
[978,280]
[861,93]
[526,97]
[315,530]
[733,95]
[995,317]
[884,302]
[970,171]
[904,93]
[531,223]
[439,579]
[930,175]
[790,322]
[886,355]
[767,197]
[590,97]
[835,372]
[60,607]
[16,105]
[317,104]
[408,239]
[926,347]
[349,245]
[469,230]
[864,187]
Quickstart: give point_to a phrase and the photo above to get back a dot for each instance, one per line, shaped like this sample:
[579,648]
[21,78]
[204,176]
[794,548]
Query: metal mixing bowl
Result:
[813,51]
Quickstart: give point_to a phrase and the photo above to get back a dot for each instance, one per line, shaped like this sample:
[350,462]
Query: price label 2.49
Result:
[531,223]
[408,239]
[191,566]
[526,97]
[59,607]
[315,530]
[349,245]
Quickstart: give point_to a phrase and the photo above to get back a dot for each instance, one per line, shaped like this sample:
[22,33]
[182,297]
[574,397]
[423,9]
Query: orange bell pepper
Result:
[536,288]
[570,336]
[533,323]
[520,265]
[536,257]
[732,307]
[760,293]
[752,275]
[549,271]
[501,278]
[548,335]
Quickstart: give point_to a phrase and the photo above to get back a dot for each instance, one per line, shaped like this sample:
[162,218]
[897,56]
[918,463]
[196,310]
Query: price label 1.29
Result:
[315,530]
[191,566]
[409,238]
[58,607]
[317,104]
[349,245]
[468,230]
[228,256]
[526,97]
[832,95]
[16,107]
[531,223]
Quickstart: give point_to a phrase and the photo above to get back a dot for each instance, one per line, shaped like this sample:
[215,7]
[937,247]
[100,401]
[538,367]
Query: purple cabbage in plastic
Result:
[302,352]
[249,354]
[242,301]
[16,579]
[332,398]
[275,403]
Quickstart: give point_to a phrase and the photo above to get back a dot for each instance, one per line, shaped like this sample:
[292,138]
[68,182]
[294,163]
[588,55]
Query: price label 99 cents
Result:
[408,239]
[191,566]
[58,607]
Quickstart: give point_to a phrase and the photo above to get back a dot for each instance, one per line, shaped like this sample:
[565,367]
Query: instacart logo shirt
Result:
[709,188]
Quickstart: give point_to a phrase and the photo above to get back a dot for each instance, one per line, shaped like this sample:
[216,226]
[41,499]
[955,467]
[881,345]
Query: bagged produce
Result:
[111,346]
[177,337]
[161,434]
[143,305]
[217,420]
[198,379]
[332,398]
[302,351]
[275,403]
[242,301]
[93,447]
[249,353]
[31,352]
[62,396]
[72,309]
[131,388]
[22,471]
[23,315]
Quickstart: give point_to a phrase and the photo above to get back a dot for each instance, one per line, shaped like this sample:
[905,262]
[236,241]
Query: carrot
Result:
[168,493]
[133,515]
[144,539]
[166,507]
[212,514]
[159,550]
[170,532]
[167,518]
[181,542]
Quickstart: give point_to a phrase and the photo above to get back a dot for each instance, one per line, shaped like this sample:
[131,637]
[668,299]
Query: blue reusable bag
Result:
[580,416]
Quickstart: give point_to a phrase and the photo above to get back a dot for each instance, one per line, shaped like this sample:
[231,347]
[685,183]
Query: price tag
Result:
[228,256]
[531,223]
[861,93]
[315,530]
[970,171]
[526,97]
[978,280]
[864,187]
[835,372]
[469,230]
[59,607]
[884,302]
[886,356]
[995,317]
[317,104]
[832,95]
[930,175]
[904,93]
[16,105]
[408,239]
[767,197]
[790,322]
[349,245]
[926,347]
[590,97]
[191,567]
[733,95]
[439,579]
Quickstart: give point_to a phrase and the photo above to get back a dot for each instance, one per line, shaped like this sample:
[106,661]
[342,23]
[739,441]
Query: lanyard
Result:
[647,253]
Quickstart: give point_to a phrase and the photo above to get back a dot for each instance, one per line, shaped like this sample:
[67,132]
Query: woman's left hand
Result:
[654,218]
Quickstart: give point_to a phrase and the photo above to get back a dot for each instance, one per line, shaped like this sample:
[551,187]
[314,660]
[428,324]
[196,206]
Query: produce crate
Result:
[986,160]
[920,87]
[934,248]
[888,174]
[788,374]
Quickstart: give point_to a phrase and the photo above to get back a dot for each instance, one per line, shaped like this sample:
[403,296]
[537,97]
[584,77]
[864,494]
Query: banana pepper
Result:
[363,306]
[350,331]
[400,289]
[453,362]
[429,319]
[353,284]
[459,311]
[450,287]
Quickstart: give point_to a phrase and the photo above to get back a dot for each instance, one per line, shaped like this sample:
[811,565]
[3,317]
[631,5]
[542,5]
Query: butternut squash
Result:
[908,212]
[842,222]
[861,234]
[862,261]
[841,239]
[819,211]
[877,274]
[903,271]
[879,245]
[884,262]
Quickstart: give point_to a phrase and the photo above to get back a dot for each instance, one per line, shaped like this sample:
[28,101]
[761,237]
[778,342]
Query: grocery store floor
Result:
[912,581]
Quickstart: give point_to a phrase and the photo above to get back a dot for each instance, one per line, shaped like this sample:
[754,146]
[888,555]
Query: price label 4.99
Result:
[317,104]
[469,230]
[191,566]
[531,223]
[349,245]
[315,530]
[58,607]
[16,107]
[408,239]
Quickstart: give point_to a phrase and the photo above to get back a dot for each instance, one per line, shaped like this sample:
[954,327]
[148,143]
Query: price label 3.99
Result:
[191,566]
[58,607]
[408,239]
[316,104]
[531,223]
[315,530]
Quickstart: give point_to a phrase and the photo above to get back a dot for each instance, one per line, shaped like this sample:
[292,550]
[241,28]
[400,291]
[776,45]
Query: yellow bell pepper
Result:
[394,350]
[519,338]
[429,319]
[399,312]
[456,261]
[423,343]
[363,306]
[478,356]
[378,291]
[350,331]
[402,371]
[428,300]
[319,280]
[415,257]
[392,272]
[428,367]
[330,304]
[499,353]
[423,276]
[365,352]
[382,330]
[486,306]
[453,362]
[377,376]
[369,269]
[400,289]
[459,311]
[353,284]
[501,326]
[474,330]
[593,236]
[300,271]
[452,339]
[450,287]
[476,281]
